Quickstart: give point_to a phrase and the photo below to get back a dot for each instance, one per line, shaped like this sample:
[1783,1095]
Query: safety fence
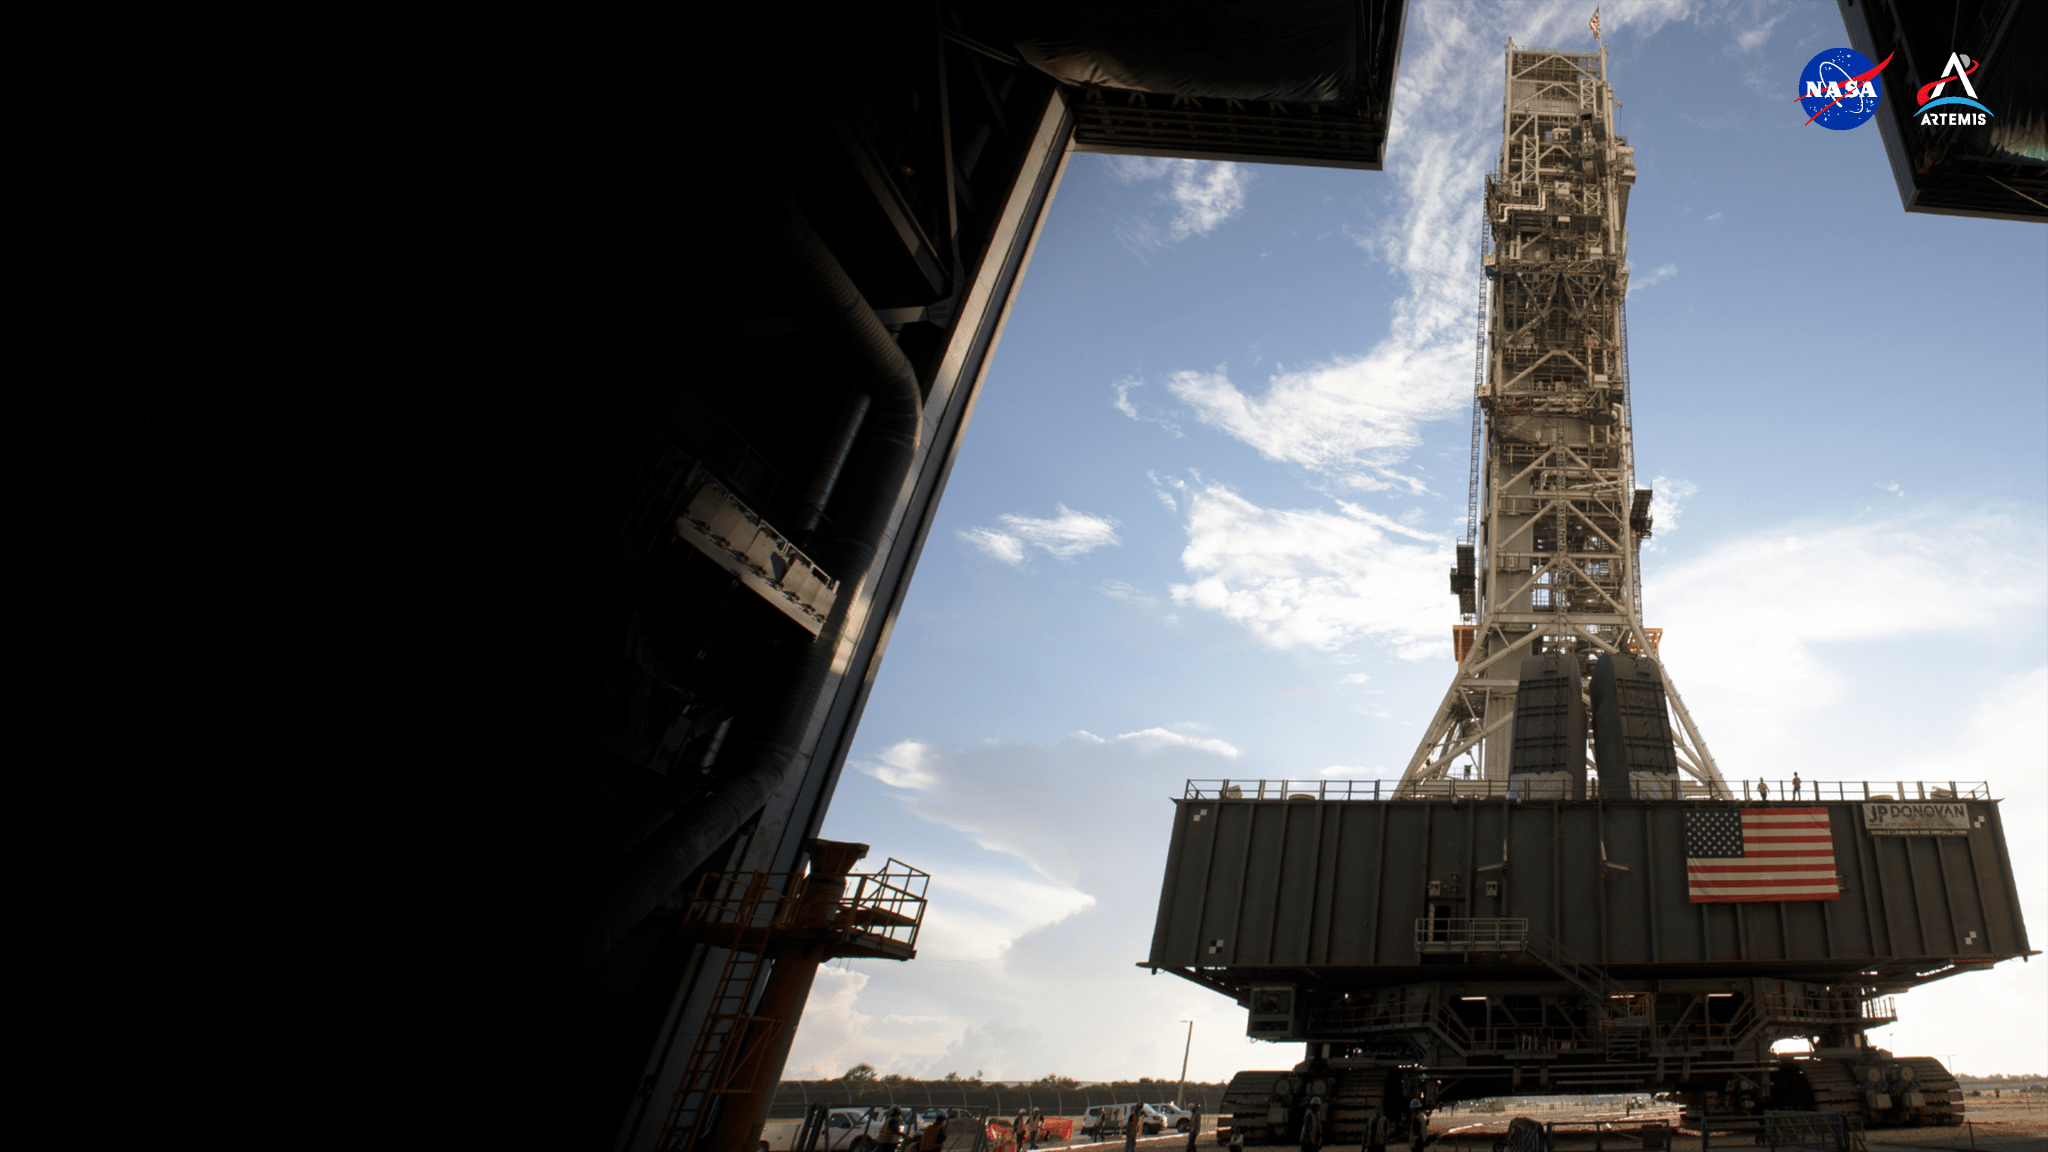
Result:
[983,1097]
[1744,790]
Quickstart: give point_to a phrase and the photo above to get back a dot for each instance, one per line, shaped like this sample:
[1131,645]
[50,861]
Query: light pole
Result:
[1181,1090]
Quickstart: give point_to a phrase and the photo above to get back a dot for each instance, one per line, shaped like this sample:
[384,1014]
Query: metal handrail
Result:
[1773,791]
[1472,934]
[889,904]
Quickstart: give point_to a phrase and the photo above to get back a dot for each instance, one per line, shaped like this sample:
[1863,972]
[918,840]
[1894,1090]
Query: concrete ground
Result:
[1995,1125]
[2004,1125]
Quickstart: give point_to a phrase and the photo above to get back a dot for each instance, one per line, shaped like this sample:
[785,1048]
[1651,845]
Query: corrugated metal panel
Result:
[1305,883]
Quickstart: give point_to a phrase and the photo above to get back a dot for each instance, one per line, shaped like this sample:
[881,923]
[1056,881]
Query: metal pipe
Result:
[837,449]
[825,299]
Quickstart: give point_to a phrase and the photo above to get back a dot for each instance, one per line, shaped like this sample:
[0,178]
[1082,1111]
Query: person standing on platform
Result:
[1795,785]
[1763,789]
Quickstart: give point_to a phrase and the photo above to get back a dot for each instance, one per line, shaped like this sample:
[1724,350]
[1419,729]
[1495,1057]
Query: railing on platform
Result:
[1810,1131]
[888,904]
[1755,791]
[1489,934]
[1633,1132]
[1821,1006]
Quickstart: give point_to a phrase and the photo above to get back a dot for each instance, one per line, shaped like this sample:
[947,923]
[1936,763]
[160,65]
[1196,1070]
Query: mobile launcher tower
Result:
[1512,928]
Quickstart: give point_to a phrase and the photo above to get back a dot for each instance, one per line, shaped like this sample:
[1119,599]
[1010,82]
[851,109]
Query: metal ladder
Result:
[729,1029]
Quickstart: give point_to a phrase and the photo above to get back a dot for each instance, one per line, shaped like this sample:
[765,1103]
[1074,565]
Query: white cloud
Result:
[1203,193]
[1310,578]
[902,765]
[2005,739]
[981,789]
[1354,417]
[1357,678]
[1757,33]
[1065,536]
[1128,593]
[1207,193]
[833,1036]
[1353,772]
[1123,397]
[1666,506]
[996,545]
[1664,272]
[1045,876]
[1715,216]
[1151,739]
[1127,405]
[987,908]
[1892,488]
[1750,624]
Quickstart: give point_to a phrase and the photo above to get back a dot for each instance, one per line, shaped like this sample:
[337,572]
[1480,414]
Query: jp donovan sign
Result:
[1917,819]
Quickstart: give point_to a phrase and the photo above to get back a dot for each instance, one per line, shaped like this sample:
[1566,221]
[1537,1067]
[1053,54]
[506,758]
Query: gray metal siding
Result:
[1307,883]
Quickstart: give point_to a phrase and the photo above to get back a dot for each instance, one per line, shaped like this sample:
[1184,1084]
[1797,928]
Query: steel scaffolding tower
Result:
[1559,519]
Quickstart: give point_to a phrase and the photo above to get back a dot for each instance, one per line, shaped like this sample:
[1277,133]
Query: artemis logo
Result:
[1957,72]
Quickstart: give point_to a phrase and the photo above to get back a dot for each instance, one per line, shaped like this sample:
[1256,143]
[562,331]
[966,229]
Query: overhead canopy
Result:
[1268,81]
[1996,167]
[1291,50]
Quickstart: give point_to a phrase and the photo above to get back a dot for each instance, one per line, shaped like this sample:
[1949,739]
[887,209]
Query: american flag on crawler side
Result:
[1756,855]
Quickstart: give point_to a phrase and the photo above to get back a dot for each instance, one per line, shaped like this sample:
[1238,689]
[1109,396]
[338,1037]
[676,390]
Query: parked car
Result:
[1109,1119]
[846,1130]
[958,1120]
[1176,1117]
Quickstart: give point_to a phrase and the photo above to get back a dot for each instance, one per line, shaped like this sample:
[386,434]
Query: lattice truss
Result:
[1551,555]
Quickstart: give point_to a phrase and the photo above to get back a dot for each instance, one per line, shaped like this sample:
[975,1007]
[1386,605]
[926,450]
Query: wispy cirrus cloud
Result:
[1651,280]
[1203,195]
[1064,536]
[1313,578]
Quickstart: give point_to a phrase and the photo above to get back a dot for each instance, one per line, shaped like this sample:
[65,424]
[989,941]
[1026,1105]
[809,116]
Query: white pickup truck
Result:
[846,1130]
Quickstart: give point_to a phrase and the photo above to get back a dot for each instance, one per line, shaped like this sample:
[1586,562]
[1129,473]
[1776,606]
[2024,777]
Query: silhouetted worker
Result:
[1763,789]
[1795,785]
[1418,1127]
[892,1131]
[933,1137]
[1035,1125]
[1194,1127]
[1019,1135]
[1132,1126]
[1312,1125]
[1376,1131]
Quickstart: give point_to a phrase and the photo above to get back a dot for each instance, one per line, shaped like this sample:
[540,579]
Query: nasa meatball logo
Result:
[1840,88]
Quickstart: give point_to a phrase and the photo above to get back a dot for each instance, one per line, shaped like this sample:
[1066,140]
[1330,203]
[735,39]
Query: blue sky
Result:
[1200,522]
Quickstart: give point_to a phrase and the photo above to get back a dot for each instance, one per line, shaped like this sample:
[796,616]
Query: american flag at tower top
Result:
[1755,855]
